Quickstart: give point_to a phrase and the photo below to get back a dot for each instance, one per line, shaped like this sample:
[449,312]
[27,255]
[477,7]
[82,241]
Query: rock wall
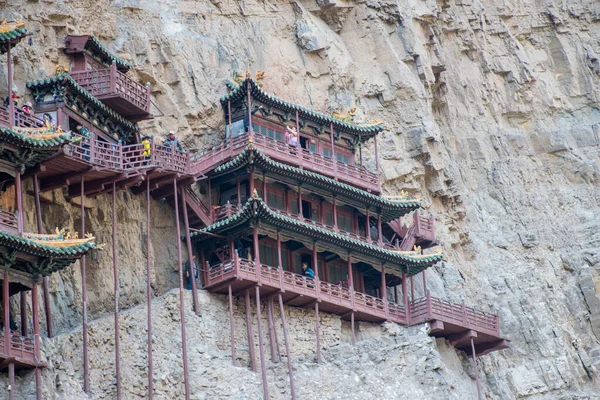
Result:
[491,114]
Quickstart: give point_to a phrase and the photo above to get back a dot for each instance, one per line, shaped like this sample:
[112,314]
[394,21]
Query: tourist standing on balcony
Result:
[28,109]
[147,145]
[291,136]
[307,271]
[187,272]
[172,142]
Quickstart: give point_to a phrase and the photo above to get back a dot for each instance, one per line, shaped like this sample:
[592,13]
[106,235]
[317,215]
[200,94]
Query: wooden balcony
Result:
[118,91]
[455,322]
[295,156]
[19,350]
[301,291]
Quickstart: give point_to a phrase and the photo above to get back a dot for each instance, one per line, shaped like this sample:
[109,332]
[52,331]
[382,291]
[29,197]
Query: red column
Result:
[335,222]
[181,299]
[188,243]
[300,202]
[116,289]
[250,333]
[36,339]
[424,283]
[367,227]
[298,146]
[239,190]
[287,347]
[379,231]
[250,128]
[40,229]
[264,194]
[149,293]
[405,298]
[86,375]
[19,193]
[229,118]
[333,158]
[263,365]
[232,325]
[256,250]
[5,309]
[23,301]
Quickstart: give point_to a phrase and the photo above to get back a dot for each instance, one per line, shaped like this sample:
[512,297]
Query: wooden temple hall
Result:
[283,211]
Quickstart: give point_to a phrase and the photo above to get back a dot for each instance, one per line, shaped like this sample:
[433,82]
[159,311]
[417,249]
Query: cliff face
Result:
[491,114]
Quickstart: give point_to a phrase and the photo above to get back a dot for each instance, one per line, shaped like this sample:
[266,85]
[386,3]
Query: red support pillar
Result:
[299,146]
[335,222]
[256,250]
[36,339]
[367,226]
[23,301]
[251,183]
[250,128]
[186,377]
[188,242]
[300,215]
[11,381]
[379,230]
[19,190]
[405,298]
[149,293]
[46,279]
[424,283]
[229,118]
[116,289]
[239,190]
[287,347]
[232,324]
[6,311]
[250,333]
[264,191]
[272,332]
[475,368]
[261,348]
[412,289]
[86,374]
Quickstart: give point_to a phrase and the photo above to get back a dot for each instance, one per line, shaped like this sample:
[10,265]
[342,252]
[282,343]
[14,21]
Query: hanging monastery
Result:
[284,193]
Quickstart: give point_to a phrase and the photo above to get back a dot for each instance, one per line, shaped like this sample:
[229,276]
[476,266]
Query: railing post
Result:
[92,141]
[236,262]
[113,77]
[333,157]
[464,314]
[228,209]
[11,103]
[121,160]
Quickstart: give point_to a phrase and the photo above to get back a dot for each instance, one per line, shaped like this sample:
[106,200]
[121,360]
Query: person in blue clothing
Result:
[307,271]
[187,272]
[172,141]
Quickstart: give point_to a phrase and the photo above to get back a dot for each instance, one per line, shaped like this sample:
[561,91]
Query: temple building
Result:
[283,210]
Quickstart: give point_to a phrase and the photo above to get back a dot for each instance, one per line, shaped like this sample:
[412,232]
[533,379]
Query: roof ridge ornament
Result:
[7,26]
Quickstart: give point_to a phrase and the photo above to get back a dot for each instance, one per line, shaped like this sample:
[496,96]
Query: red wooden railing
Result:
[9,222]
[110,82]
[431,308]
[127,158]
[20,347]
[280,151]
[420,310]
[21,119]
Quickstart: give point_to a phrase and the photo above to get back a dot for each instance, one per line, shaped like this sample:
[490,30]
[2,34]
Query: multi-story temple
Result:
[283,209]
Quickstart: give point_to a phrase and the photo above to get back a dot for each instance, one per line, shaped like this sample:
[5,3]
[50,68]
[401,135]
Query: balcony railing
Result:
[21,119]
[21,347]
[127,158]
[110,82]
[9,222]
[285,153]
[420,310]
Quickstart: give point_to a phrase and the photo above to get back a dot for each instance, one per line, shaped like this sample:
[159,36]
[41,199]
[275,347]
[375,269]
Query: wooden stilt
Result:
[86,374]
[116,290]
[188,242]
[23,301]
[11,377]
[272,332]
[149,293]
[287,347]
[36,339]
[186,377]
[46,279]
[261,348]
[6,318]
[475,368]
[232,327]
[250,333]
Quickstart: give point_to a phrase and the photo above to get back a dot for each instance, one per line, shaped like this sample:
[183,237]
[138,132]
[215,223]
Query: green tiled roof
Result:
[238,93]
[57,258]
[11,38]
[256,209]
[65,79]
[94,46]
[15,138]
[390,210]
